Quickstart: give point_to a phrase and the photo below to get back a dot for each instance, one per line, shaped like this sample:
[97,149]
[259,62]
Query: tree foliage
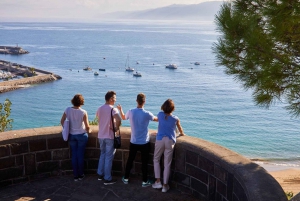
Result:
[260,46]
[5,122]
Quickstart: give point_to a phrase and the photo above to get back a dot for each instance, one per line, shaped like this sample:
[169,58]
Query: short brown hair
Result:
[141,98]
[109,94]
[168,106]
[77,100]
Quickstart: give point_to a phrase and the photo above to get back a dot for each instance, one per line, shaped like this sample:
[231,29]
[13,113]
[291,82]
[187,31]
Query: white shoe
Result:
[165,189]
[157,185]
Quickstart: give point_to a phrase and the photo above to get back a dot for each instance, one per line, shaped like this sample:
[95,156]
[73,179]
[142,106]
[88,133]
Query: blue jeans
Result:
[106,158]
[78,144]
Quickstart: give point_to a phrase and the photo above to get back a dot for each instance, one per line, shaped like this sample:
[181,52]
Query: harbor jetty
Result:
[29,76]
[12,50]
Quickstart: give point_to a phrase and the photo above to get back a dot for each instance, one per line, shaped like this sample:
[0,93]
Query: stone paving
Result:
[64,188]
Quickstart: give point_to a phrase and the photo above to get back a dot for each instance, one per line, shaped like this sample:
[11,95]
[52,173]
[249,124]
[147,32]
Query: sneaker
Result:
[100,177]
[165,189]
[157,185]
[106,182]
[125,181]
[145,184]
[75,178]
[81,177]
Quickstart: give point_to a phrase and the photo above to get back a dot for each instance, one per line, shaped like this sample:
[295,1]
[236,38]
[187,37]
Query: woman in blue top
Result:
[165,141]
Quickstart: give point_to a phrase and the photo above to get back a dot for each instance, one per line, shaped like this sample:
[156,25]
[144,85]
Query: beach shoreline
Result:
[287,177]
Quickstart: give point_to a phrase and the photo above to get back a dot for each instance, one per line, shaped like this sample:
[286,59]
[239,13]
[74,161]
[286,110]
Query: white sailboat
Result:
[127,67]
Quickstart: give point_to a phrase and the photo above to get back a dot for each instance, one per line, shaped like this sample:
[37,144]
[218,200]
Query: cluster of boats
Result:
[130,69]
[5,75]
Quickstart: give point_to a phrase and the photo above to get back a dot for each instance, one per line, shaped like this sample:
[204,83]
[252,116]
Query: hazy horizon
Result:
[78,10]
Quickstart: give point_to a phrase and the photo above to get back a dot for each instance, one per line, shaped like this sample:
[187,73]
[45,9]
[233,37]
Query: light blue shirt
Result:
[166,126]
[139,121]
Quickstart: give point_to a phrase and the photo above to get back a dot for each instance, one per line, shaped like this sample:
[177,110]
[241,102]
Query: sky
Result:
[68,10]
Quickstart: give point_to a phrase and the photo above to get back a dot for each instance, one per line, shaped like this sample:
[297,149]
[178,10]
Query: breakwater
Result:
[12,50]
[29,75]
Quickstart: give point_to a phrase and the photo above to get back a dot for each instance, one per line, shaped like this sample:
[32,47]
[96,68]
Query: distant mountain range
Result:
[202,11]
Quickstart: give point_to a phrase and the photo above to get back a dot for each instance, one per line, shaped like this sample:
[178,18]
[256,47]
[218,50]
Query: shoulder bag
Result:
[117,139]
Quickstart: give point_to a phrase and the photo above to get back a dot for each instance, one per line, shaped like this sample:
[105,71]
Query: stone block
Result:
[182,178]
[37,145]
[4,150]
[92,153]
[11,173]
[60,154]
[239,191]
[30,165]
[221,173]
[117,166]
[192,158]
[92,142]
[57,143]
[92,163]
[7,162]
[197,173]
[199,187]
[221,188]
[66,165]
[230,186]
[206,165]
[180,162]
[19,148]
[19,160]
[43,156]
[48,166]
[212,188]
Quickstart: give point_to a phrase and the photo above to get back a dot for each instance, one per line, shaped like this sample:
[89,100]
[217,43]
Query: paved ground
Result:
[63,188]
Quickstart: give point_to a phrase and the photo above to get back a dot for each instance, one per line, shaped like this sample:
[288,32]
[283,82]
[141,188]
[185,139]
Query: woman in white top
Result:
[78,136]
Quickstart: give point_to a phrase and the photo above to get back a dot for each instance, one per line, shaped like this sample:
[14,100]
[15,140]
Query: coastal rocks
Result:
[12,50]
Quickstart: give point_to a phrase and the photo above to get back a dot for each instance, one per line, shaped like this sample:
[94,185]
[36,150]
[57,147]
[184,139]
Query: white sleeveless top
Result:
[75,117]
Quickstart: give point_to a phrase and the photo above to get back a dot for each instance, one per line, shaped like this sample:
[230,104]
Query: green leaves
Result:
[260,46]
[5,122]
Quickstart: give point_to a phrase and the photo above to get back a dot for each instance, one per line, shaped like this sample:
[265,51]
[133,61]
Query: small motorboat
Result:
[171,66]
[101,69]
[197,63]
[87,68]
[137,74]
[96,73]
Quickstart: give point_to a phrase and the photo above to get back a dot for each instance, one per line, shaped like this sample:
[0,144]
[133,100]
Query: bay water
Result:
[210,104]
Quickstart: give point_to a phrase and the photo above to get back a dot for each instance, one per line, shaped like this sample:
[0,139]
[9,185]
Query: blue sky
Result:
[72,10]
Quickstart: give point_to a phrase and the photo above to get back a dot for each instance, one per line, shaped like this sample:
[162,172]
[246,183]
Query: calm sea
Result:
[210,104]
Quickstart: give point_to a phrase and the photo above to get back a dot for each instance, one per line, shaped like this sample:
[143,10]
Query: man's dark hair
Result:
[141,98]
[109,94]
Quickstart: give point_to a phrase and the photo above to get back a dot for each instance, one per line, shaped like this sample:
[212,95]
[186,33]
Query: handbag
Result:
[117,139]
[65,131]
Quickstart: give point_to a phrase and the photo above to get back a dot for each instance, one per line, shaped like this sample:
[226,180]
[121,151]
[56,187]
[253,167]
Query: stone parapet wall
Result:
[206,170]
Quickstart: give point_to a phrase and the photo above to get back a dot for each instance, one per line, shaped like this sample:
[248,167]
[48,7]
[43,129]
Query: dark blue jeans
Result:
[78,144]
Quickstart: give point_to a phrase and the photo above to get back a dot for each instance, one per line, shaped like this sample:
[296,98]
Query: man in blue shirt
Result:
[139,120]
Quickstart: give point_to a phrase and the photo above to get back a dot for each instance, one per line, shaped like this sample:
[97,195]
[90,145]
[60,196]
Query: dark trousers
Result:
[145,151]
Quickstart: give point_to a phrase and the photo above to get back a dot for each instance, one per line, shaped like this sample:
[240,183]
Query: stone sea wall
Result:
[201,168]
[39,76]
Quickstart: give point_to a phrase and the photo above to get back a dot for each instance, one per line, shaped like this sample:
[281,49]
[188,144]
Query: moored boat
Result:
[171,66]
[137,74]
